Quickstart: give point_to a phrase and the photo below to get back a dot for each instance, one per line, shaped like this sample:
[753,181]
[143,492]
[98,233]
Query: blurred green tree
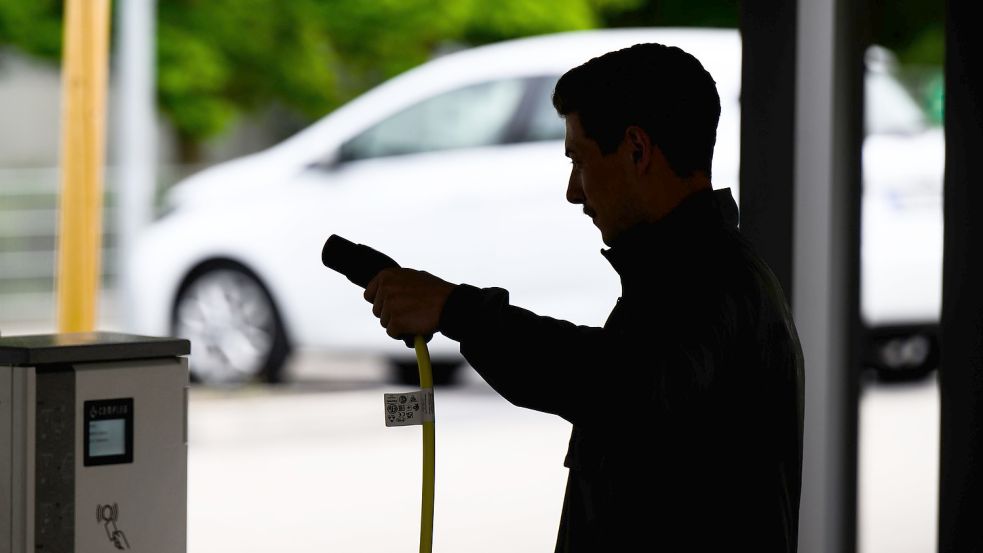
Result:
[219,59]
[914,29]
[34,27]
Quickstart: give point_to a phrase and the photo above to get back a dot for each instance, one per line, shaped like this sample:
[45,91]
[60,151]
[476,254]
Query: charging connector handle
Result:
[357,262]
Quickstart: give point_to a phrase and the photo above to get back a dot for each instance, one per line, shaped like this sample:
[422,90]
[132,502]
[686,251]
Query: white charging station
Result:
[93,443]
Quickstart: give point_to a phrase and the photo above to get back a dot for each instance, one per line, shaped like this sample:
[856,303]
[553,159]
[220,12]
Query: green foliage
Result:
[218,59]
[675,13]
[517,18]
[925,47]
[382,38]
[914,29]
[32,25]
[191,79]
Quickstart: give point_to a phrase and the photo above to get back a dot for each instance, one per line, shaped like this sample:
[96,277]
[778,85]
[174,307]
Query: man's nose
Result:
[575,193]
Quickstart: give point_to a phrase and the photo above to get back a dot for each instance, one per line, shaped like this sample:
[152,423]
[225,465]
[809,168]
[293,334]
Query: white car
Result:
[457,167]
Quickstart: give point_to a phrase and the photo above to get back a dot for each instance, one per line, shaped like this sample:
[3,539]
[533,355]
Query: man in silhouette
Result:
[687,404]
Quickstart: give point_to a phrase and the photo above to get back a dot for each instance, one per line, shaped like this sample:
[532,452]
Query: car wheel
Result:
[902,353]
[407,372]
[236,332]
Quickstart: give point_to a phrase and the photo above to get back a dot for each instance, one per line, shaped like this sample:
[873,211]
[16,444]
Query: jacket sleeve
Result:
[577,372]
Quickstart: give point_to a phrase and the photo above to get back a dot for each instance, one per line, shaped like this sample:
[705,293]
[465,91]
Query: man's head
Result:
[641,126]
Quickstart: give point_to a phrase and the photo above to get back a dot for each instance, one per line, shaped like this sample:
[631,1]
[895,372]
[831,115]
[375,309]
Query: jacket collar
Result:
[703,211]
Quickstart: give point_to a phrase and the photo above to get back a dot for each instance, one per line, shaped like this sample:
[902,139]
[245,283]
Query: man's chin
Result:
[609,235]
[606,237]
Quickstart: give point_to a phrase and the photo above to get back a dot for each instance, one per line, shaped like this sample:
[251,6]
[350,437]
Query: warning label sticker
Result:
[409,408]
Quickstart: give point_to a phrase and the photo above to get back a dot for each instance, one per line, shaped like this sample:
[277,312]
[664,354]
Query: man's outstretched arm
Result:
[546,364]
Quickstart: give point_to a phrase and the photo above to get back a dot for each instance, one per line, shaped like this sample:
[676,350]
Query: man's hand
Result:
[407,302]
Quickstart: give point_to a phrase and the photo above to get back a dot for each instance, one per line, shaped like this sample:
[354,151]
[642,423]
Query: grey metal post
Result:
[828,137]
[136,120]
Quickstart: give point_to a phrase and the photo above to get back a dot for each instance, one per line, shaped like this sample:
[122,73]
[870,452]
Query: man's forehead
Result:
[571,138]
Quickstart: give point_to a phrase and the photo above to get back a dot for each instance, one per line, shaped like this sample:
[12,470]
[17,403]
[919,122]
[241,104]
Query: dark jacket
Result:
[686,406]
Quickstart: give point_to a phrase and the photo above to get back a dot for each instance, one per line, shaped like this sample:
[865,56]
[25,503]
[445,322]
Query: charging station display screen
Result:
[107,437]
[108,431]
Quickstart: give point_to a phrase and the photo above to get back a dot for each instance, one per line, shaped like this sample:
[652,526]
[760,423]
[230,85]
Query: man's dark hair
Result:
[661,89]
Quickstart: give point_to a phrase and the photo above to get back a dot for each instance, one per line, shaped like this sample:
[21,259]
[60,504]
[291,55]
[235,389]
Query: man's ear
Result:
[639,145]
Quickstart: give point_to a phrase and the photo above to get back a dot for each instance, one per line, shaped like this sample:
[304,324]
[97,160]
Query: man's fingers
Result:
[375,292]
[371,289]
[406,302]
[391,329]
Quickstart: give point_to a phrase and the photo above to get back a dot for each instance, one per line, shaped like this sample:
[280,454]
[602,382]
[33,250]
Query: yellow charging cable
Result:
[360,264]
[429,464]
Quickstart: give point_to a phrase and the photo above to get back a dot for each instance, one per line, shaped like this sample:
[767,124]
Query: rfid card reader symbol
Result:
[108,515]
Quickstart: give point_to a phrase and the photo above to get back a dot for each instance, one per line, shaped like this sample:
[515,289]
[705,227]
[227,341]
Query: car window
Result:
[476,115]
[544,122]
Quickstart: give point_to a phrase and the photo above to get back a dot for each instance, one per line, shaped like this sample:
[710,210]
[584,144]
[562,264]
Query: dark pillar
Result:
[961,374]
[768,31]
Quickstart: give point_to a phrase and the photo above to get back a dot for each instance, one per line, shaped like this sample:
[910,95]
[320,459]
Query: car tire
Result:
[406,371]
[237,334]
[902,353]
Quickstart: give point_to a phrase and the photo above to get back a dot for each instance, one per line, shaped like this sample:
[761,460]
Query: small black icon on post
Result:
[108,515]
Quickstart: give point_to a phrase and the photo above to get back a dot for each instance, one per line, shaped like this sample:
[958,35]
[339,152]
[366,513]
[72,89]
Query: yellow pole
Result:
[84,80]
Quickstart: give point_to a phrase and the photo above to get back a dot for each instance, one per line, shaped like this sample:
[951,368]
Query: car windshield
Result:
[476,115]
